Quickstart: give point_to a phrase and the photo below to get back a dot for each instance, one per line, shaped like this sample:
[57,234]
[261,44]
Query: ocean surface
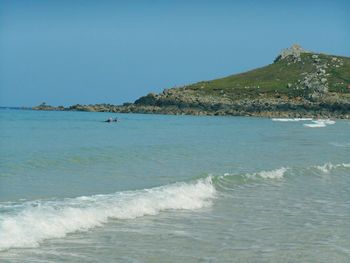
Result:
[155,188]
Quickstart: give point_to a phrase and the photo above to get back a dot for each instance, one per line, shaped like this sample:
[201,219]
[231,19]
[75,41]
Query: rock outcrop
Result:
[294,52]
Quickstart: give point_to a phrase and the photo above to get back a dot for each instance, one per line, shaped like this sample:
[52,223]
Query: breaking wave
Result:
[328,167]
[27,224]
[291,119]
[274,174]
[40,220]
[314,123]
[319,123]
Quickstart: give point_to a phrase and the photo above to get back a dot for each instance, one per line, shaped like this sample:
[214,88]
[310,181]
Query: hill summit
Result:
[298,83]
[295,51]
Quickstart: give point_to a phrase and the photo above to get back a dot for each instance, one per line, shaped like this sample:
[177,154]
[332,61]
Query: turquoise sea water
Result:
[155,188]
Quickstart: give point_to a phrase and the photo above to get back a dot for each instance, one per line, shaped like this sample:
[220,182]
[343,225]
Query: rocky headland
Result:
[298,83]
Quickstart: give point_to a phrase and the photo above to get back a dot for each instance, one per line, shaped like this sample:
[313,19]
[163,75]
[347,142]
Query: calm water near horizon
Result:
[156,188]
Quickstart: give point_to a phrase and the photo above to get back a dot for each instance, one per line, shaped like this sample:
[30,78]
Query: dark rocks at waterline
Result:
[264,108]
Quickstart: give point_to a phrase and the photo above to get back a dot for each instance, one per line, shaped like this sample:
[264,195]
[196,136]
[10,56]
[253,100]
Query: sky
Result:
[84,51]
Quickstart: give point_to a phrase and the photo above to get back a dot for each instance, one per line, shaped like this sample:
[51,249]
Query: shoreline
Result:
[315,114]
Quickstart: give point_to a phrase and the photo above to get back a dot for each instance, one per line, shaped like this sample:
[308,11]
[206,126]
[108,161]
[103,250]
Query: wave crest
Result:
[319,123]
[42,220]
[291,119]
[328,167]
[27,224]
[273,174]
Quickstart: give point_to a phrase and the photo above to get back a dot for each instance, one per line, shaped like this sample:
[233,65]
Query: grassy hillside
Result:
[283,77]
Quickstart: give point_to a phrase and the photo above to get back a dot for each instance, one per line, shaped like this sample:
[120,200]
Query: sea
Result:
[158,188]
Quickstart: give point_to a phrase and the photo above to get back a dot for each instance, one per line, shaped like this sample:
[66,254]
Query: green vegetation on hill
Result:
[280,78]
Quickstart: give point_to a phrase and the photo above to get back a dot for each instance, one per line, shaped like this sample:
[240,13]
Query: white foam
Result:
[291,119]
[337,144]
[41,220]
[327,122]
[315,125]
[319,123]
[328,167]
[273,174]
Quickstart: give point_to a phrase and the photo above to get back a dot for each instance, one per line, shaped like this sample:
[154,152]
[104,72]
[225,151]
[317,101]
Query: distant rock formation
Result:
[295,51]
[299,83]
[44,106]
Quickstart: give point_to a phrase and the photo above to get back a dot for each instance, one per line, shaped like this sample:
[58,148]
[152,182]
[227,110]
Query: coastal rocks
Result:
[331,106]
[267,107]
[44,106]
[149,99]
[93,108]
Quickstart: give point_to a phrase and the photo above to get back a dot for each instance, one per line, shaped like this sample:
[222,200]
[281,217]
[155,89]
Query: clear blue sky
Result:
[66,52]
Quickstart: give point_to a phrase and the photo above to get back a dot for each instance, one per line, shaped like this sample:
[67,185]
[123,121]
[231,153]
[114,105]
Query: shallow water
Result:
[155,188]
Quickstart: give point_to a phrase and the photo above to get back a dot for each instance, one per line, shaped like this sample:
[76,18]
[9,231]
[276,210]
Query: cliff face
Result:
[298,83]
